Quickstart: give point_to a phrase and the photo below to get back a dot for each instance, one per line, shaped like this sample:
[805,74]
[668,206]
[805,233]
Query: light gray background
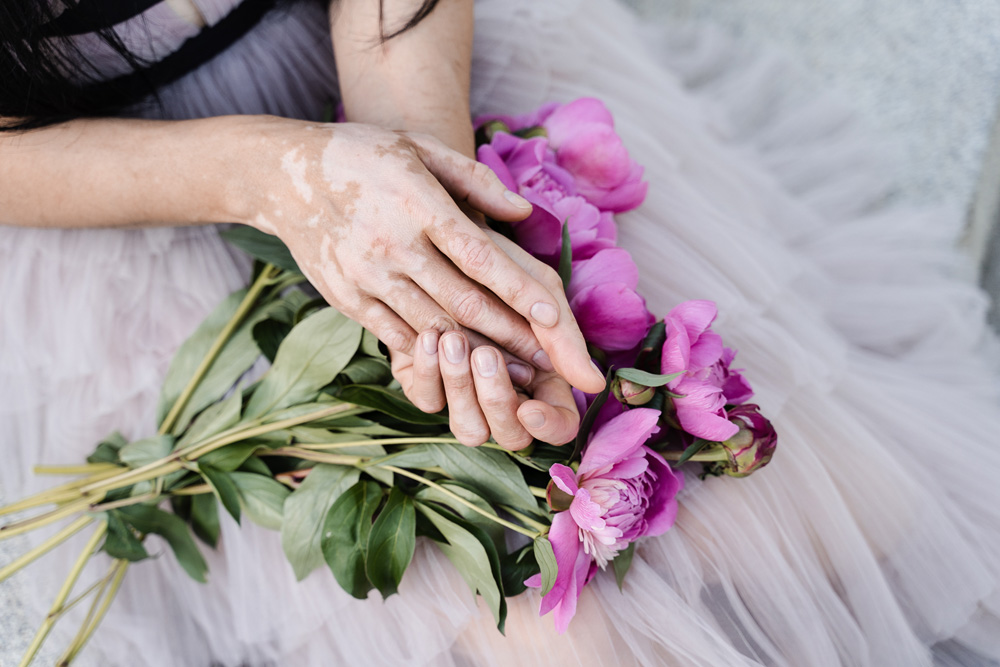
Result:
[924,74]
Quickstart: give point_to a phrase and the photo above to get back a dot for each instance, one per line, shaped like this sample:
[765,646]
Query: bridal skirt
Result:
[873,538]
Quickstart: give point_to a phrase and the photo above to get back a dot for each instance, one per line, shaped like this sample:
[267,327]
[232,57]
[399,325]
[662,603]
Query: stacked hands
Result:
[396,241]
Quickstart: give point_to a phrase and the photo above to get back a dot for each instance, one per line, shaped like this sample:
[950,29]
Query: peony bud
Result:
[632,393]
[557,499]
[752,446]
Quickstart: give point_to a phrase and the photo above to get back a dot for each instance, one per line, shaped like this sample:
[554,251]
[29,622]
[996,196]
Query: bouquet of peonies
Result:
[324,448]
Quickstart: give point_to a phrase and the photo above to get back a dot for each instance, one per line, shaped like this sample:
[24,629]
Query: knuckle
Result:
[476,255]
[397,339]
[481,173]
[469,306]
[550,279]
[515,441]
[442,323]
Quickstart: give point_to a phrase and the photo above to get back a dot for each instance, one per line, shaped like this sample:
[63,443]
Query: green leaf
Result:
[263,246]
[431,495]
[309,358]
[490,472]
[516,569]
[393,403]
[366,370]
[223,487]
[587,423]
[205,518]
[148,519]
[148,450]
[692,449]
[268,335]
[121,542]
[263,498]
[345,536]
[470,558]
[230,457]
[305,511]
[391,543]
[566,257]
[546,559]
[622,562]
[107,450]
[656,337]
[370,345]
[644,378]
[213,420]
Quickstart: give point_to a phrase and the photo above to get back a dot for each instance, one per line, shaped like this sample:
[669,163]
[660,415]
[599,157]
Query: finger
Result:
[520,373]
[427,391]
[563,344]
[476,309]
[479,258]
[423,313]
[497,399]
[467,420]
[387,326]
[468,180]
[551,416]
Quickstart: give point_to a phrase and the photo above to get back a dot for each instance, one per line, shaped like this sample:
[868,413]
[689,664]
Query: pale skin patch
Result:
[295,166]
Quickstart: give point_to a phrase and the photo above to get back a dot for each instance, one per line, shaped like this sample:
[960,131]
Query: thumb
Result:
[467,180]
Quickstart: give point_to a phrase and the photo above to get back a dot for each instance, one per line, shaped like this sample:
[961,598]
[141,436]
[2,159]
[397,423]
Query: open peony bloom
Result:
[528,167]
[622,491]
[602,296]
[707,382]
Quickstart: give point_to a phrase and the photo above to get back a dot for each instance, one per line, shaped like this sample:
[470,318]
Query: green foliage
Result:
[305,512]
[263,246]
[345,536]
[622,563]
[644,378]
[148,519]
[391,543]
[262,498]
[546,559]
[223,487]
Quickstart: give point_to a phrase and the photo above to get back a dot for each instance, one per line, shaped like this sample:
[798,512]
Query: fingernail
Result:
[542,361]
[516,199]
[520,374]
[597,370]
[545,314]
[534,419]
[486,361]
[454,348]
[430,342]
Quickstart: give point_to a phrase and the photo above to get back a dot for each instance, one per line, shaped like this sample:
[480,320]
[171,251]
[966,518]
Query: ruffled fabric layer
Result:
[869,540]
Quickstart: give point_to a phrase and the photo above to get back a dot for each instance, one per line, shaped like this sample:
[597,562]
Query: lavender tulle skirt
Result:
[873,538]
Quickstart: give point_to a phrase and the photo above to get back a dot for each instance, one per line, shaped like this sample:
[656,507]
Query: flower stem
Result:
[194,490]
[423,480]
[383,441]
[19,527]
[96,614]
[318,457]
[540,527]
[262,282]
[711,455]
[67,588]
[539,492]
[43,548]
[57,494]
[86,469]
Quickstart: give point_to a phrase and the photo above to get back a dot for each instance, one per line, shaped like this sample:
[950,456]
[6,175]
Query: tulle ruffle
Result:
[869,540]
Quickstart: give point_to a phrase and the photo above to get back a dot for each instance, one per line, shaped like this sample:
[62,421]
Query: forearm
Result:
[417,81]
[121,173]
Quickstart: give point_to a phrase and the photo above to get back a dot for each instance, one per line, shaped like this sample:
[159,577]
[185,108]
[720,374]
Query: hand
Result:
[481,399]
[371,217]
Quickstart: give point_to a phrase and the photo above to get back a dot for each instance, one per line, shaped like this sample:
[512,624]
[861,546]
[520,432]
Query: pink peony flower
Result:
[707,382]
[602,296]
[753,445]
[528,167]
[622,491]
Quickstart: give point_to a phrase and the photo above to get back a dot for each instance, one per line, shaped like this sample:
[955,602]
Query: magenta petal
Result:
[662,508]
[704,424]
[564,122]
[564,477]
[676,354]
[565,538]
[705,351]
[585,512]
[624,197]
[566,609]
[540,233]
[697,315]
[534,581]
[618,438]
[613,265]
[611,316]
[596,156]
[489,156]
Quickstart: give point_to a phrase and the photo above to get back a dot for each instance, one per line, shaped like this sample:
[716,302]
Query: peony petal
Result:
[596,156]
[611,316]
[564,477]
[619,438]
[566,609]
[696,315]
[489,156]
[705,351]
[565,122]
[565,538]
[662,509]
[614,265]
[625,197]
[676,355]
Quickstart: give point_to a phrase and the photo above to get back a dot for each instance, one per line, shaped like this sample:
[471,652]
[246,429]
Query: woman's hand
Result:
[482,401]
[373,219]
